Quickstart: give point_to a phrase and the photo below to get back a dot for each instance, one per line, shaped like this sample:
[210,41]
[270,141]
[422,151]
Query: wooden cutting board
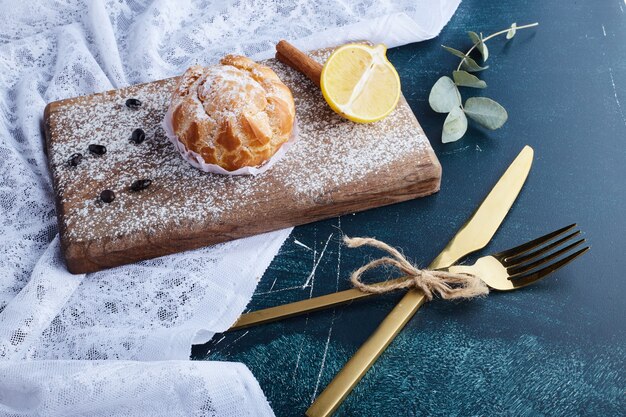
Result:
[335,167]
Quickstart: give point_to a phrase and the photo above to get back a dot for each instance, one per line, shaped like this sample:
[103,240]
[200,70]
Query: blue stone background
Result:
[556,348]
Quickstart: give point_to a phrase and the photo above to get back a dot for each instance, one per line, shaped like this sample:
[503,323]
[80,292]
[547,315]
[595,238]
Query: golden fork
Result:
[522,265]
[503,271]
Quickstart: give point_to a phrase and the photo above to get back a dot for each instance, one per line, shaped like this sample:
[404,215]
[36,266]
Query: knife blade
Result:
[472,236]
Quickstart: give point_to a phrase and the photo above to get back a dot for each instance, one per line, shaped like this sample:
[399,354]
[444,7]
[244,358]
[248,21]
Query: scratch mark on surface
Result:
[297,242]
[619,106]
[239,338]
[319,375]
[338,226]
[332,323]
[604,30]
[478,148]
[293,377]
[216,343]
[225,348]
[314,257]
[273,283]
[455,151]
[311,277]
[297,287]
[338,259]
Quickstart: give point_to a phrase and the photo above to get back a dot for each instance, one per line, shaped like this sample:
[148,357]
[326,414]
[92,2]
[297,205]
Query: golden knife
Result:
[474,235]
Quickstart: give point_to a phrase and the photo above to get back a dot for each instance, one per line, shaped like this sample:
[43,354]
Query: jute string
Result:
[448,285]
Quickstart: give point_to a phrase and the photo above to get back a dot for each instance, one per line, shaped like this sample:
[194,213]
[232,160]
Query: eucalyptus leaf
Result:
[486,112]
[444,96]
[465,79]
[474,37]
[468,63]
[472,66]
[454,52]
[455,126]
[512,31]
[480,45]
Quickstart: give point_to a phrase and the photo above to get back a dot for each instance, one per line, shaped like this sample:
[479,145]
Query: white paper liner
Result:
[197,161]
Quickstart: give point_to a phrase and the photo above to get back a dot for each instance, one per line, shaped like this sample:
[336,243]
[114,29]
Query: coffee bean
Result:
[97,149]
[138,136]
[140,185]
[133,103]
[75,159]
[107,196]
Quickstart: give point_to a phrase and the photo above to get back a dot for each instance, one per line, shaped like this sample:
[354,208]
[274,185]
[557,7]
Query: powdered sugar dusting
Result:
[329,153]
[220,100]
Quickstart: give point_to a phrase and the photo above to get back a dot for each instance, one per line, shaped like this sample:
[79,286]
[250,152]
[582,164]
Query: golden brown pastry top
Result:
[234,114]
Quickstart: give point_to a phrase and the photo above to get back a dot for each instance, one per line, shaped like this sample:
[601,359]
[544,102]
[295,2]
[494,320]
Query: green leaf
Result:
[444,96]
[455,52]
[472,66]
[455,126]
[486,112]
[468,63]
[474,37]
[465,79]
[480,45]
[484,51]
[512,31]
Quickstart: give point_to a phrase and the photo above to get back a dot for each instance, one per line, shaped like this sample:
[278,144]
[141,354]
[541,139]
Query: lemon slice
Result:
[360,83]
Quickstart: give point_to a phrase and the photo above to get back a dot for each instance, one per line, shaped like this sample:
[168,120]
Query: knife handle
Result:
[334,394]
[305,306]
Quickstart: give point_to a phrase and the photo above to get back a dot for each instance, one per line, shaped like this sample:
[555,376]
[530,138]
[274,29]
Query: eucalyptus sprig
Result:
[445,96]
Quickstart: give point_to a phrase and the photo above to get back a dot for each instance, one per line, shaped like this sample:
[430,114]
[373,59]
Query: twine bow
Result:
[448,285]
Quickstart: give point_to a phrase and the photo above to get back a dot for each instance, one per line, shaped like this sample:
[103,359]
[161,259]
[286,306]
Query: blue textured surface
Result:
[556,348]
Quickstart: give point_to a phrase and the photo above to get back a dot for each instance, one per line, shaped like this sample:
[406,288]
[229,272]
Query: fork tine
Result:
[528,246]
[521,269]
[528,279]
[529,256]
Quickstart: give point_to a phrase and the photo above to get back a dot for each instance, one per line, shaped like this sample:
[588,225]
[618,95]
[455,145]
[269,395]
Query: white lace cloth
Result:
[117,342]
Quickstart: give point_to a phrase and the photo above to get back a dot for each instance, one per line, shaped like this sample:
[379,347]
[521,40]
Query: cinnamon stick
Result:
[298,60]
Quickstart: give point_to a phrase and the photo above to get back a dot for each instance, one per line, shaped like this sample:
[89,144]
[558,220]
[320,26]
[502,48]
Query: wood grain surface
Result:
[335,167]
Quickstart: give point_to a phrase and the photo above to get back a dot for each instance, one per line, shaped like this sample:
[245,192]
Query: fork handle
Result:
[305,306]
[461,269]
[322,302]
